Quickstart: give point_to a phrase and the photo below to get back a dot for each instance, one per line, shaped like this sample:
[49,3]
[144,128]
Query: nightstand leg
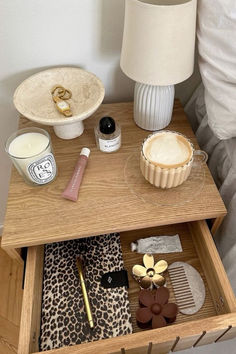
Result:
[216,224]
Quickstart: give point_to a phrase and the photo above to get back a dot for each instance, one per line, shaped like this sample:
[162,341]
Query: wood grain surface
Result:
[221,290]
[31,304]
[39,215]
[10,303]
[181,334]
[11,274]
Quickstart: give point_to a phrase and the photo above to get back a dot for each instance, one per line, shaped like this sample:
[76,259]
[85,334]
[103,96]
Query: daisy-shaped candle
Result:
[155,311]
[150,274]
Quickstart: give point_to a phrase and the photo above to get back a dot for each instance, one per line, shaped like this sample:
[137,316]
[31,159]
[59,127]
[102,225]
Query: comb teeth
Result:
[182,290]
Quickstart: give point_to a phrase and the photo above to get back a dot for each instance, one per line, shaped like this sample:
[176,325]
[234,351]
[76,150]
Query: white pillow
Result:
[217,61]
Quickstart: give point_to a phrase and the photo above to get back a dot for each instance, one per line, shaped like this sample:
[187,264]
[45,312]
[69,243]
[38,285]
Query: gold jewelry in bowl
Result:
[60,95]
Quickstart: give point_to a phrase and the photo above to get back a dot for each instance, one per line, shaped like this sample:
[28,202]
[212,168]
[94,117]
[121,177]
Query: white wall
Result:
[37,34]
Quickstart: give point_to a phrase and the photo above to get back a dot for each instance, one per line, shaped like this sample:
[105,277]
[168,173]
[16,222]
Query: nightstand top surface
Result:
[39,215]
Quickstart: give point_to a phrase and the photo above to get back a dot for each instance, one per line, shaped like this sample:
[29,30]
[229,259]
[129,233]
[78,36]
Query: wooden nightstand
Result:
[36,216]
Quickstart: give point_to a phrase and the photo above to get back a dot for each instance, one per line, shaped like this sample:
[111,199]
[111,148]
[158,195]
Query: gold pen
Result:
[85,295]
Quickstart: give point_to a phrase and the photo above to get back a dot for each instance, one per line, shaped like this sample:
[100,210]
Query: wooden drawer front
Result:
[214,328]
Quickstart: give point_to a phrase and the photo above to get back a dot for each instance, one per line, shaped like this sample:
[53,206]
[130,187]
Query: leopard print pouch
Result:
[64,321]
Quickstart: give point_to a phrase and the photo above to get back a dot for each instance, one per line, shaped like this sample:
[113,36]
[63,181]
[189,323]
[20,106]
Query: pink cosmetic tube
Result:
[72,189]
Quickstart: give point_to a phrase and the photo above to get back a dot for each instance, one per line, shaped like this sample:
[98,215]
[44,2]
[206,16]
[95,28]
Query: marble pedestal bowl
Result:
[33,99]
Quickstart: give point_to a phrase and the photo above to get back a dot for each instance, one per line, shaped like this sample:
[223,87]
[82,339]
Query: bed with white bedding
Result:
[222,163]
[212,113]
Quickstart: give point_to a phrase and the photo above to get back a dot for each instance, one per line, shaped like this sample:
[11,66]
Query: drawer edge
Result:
[221,290]
[32,298]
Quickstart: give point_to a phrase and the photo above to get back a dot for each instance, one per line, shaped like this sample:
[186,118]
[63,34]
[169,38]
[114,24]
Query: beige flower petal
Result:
[158,280]
[148,261]
[160,266]
[146,282]
[139,271]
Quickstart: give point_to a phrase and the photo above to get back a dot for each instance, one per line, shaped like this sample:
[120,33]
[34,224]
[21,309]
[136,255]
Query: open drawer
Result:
[216,321]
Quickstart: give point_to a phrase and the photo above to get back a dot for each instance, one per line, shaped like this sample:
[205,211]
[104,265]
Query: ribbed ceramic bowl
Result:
[165,177]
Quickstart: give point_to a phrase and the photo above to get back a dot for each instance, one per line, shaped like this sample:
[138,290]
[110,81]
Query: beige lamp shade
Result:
[159,40]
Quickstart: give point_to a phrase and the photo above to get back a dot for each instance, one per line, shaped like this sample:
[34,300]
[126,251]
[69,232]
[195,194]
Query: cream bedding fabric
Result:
[222,163]
[216,33]
[212,112]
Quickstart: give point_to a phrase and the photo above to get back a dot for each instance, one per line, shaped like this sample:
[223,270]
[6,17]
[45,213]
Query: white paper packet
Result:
[157,244]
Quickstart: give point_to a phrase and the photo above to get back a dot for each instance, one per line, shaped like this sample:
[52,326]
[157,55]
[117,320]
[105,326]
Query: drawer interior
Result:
[188,255]
[198,250]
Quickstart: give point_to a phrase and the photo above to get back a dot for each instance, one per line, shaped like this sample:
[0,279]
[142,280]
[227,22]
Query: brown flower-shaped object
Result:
[155,311]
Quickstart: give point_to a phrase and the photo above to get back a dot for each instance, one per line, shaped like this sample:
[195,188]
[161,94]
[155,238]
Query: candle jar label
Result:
[43,170]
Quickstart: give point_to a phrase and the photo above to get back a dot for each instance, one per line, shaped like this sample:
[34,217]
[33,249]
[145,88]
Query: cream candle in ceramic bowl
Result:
[31,153]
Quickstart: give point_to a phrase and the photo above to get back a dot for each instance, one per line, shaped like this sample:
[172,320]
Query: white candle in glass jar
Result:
[31,154]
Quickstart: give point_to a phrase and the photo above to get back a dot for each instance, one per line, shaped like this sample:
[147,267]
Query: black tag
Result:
[115,279]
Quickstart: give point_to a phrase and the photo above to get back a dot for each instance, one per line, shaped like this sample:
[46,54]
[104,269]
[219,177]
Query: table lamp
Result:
[157,52]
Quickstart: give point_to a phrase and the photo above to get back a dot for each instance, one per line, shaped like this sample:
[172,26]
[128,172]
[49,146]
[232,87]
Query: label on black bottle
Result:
[109,145]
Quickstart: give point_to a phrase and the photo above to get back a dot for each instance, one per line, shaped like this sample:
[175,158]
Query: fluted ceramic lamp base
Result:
[153,106]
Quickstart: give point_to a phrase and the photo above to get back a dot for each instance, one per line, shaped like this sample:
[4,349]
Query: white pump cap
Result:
[85,152]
